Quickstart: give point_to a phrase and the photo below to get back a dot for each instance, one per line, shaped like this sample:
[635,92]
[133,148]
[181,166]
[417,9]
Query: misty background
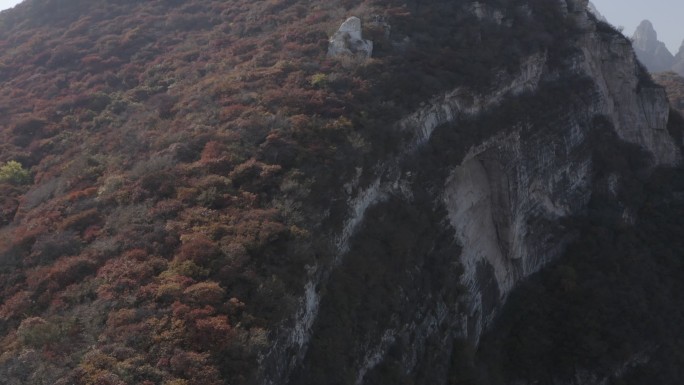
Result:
[4,4]
[666,16]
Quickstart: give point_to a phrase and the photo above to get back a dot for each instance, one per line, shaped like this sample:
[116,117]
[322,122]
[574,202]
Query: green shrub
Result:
[319,80]
[13,172]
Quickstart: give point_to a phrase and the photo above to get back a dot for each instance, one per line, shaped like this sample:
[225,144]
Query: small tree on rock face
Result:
[13,172]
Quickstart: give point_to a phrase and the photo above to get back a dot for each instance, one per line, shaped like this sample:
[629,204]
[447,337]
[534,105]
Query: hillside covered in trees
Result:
[174,175]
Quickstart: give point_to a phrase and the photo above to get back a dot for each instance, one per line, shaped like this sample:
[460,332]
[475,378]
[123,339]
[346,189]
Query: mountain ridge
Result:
[653,53]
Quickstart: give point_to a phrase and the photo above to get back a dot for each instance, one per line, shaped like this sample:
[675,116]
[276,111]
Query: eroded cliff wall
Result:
[494,174]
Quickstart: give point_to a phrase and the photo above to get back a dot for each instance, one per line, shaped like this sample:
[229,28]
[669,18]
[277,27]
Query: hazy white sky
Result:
[667,17]
[4,4]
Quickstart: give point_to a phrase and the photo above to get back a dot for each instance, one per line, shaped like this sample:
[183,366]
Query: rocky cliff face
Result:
[499,191]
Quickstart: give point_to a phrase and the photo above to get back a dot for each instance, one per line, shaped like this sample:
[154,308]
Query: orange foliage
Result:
[80,221]
[206,293]
[16,305]
[198,249]
[64,271]
[82,194]
[195,367]
[98,94]
[126,274]
[213,331]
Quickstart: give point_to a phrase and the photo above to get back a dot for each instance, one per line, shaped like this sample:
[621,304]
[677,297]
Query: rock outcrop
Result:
[348,40]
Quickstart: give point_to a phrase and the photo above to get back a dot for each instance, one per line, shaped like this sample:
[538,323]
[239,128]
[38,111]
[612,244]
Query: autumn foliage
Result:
[165,171]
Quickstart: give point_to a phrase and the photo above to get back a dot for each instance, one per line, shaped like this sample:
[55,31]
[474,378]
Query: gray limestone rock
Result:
[349,41]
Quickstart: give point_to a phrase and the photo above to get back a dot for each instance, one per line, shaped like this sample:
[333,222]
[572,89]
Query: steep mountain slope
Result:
[204,196]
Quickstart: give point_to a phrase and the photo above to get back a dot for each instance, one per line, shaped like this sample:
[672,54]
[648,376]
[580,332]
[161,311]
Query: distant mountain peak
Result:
[650,51]
[646,24]
[645,35]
